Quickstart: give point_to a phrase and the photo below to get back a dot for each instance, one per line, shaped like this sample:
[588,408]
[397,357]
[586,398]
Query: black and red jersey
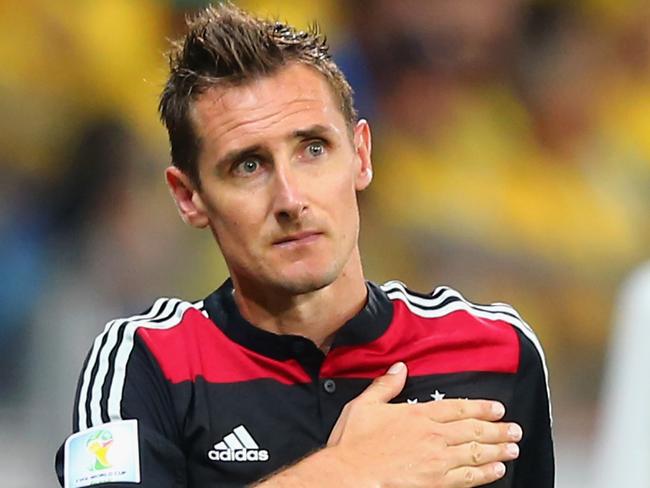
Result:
[220,402]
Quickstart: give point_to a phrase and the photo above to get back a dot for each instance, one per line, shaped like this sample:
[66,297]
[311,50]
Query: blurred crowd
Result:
[511,144]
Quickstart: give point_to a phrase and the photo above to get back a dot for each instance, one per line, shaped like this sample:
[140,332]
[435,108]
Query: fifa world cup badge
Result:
[106,453]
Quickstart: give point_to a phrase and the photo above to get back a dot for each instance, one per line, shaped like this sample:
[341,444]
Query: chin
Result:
[308,282]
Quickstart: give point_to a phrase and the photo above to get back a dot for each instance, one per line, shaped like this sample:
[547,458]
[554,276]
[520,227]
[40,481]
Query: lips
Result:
[297,238]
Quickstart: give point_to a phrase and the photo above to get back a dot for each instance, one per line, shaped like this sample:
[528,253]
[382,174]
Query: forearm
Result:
[324,468]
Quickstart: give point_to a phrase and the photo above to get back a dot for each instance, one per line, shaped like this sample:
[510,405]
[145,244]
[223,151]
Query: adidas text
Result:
[239,455]
[238,446]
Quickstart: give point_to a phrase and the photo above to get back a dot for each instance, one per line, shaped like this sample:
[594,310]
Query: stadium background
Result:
[512,161]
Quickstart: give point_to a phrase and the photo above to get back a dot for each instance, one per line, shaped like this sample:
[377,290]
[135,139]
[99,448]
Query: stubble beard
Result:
[307,284]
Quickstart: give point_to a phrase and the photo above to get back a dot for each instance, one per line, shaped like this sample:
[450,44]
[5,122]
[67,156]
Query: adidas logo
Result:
[240,446]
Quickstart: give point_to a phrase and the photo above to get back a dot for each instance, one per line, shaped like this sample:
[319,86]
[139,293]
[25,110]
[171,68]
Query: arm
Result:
[114,387]
[450,443]
[535,467]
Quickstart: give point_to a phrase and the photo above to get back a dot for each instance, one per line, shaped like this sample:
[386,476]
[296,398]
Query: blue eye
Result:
[248,166]
[316,148]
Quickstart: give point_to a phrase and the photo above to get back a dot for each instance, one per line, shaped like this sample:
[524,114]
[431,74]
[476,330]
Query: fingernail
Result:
[498,409]
[515,432]
[396,368]
[513,450]
[500,469]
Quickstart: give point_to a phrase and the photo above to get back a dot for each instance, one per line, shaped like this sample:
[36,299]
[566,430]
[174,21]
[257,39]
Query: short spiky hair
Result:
[227,46]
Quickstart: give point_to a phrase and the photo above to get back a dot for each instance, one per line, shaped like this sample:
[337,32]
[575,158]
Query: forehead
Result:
[294,97]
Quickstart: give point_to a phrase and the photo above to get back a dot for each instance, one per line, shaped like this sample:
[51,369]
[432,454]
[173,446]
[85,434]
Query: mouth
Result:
[298,239]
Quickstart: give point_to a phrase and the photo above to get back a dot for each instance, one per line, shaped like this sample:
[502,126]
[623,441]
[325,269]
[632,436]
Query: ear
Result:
[363,148]
[188,200]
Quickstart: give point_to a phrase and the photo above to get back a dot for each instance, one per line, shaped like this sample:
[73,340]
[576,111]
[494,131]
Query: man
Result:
[296,371]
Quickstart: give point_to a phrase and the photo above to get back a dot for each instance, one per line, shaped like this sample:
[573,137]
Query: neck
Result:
[316,315]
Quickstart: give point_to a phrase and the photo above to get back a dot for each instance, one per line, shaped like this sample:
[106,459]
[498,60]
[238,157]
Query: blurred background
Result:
[512,161]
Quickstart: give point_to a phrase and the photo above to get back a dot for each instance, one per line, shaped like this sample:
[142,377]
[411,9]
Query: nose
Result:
[288,199]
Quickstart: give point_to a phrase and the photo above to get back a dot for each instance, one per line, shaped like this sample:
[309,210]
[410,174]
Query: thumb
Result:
[386,387]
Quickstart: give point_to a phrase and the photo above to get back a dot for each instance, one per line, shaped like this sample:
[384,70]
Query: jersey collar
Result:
[369,324]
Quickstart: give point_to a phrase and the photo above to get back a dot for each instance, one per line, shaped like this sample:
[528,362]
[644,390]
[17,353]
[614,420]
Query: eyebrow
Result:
[317,130]
[237,154]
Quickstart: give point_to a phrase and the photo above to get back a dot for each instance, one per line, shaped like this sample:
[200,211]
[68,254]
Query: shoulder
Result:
[103,375]
[163,314]
[166,322]
[447,310]
[444,300]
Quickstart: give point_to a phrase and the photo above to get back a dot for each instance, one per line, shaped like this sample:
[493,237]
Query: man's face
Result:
[279,175]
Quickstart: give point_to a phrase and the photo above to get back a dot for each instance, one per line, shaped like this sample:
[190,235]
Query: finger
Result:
[451,410]
[462,431]
[469,476]
[477,454]
[386,387]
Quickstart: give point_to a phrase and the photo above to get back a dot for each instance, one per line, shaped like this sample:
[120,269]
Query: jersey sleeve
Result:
[124,427]
[531,408]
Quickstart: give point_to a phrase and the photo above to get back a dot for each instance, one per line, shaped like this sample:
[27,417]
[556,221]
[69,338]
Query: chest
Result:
[237,433]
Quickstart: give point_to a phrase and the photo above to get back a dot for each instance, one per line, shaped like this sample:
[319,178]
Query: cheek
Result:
[346,192]
[342,200]
[235,223]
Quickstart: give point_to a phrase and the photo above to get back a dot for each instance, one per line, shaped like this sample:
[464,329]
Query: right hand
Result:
[445,443]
